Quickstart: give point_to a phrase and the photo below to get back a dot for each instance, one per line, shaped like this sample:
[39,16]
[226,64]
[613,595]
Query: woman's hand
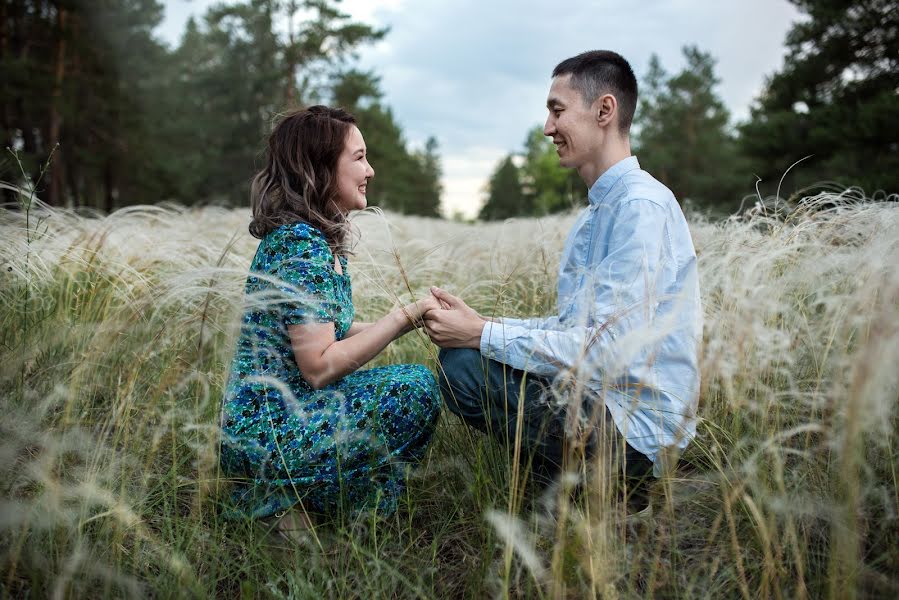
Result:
[414,313]
[454,324]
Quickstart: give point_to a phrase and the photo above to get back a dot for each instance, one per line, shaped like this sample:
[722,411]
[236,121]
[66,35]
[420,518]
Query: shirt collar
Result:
[607,180]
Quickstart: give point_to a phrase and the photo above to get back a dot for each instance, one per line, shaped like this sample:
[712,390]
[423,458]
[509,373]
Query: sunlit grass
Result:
[116,338]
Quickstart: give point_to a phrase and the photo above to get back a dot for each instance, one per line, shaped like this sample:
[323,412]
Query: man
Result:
[616,368]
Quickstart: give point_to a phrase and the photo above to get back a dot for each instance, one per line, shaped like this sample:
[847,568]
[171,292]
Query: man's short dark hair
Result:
[603,72]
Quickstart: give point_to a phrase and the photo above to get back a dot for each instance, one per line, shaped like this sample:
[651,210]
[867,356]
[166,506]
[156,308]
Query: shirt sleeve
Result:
[305,281]
[622,284]
[537,322]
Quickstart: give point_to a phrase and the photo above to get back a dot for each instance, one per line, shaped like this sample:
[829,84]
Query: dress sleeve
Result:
[305,278]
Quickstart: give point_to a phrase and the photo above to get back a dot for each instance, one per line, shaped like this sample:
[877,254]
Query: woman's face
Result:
[353,173]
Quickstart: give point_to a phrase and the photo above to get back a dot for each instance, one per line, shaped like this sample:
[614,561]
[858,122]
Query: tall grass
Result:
[116,337]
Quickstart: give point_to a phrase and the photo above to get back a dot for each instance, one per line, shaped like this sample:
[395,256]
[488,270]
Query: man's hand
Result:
[456,325]
[414,313]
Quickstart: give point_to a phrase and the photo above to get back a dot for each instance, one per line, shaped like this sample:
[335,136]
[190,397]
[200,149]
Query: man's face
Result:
[571,124]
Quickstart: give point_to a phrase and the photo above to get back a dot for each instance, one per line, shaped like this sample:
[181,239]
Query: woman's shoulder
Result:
[300,232]
[290,244]
[298,240]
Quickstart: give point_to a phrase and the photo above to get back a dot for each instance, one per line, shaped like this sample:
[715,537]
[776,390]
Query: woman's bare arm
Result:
[322,359]
[357,327]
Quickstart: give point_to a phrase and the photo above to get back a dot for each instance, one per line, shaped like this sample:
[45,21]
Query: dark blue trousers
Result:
[488,395]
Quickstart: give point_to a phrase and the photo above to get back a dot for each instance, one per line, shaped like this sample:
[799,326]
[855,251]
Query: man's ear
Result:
[606,109]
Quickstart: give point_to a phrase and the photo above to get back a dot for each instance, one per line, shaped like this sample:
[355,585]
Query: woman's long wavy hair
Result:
[299,181]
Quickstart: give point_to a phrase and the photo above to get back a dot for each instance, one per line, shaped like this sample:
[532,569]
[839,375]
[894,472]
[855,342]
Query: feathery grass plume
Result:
[113,365]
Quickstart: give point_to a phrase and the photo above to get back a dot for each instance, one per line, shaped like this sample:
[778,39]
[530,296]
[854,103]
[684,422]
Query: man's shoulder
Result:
[641,186]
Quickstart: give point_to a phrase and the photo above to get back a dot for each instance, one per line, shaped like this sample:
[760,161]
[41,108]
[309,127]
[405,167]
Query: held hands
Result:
[452,323]
[412,314]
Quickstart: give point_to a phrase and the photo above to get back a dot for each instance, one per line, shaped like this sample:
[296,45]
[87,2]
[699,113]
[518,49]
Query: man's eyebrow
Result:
[553,102]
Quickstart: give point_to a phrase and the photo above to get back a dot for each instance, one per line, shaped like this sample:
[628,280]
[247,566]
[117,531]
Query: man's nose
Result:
[549,127]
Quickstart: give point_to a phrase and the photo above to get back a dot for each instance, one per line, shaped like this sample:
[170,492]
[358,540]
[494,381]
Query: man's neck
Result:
[614,152]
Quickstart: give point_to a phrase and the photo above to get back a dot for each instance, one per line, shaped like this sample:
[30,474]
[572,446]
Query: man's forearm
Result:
[544,352]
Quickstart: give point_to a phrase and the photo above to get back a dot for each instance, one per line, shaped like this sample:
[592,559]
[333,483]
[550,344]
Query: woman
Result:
[300,420]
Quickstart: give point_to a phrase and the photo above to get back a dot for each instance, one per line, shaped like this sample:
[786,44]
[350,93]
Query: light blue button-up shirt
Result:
[629,317]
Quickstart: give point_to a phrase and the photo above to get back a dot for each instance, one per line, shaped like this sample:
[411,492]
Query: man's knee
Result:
[461,378]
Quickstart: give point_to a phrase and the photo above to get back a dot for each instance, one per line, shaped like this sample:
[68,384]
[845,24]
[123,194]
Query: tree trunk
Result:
[55,191]
[5,18]
[290,92]
[109,205]
[6,196]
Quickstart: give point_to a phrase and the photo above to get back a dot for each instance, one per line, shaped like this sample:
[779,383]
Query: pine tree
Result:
[75,73]
[833,101]
[682,135]
[138,123]
[505,193]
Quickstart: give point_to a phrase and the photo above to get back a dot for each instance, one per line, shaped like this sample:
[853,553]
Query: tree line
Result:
[124,119]
[833,109]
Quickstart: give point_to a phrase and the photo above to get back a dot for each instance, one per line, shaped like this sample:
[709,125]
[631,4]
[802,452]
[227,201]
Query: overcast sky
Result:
[474,73]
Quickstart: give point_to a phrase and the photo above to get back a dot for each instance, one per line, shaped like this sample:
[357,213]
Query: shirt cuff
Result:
[506,321]
[497,341]
[486,335]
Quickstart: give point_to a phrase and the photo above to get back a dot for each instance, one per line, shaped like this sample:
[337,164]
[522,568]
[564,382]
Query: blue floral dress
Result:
[343,447]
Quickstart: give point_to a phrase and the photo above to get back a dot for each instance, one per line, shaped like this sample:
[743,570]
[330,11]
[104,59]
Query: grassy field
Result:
[116,337]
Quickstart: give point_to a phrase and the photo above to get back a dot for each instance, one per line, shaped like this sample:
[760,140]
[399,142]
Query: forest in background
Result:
[124,119]
[129,120]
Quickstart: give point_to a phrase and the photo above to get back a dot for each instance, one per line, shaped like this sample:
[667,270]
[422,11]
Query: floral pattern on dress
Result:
[345,447]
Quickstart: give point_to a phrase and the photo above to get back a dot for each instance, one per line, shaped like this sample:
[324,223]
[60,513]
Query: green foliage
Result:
[834,100]
[79,74]
[139,123]
[506,198]
[234,74]
[682,134]
[540,186]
